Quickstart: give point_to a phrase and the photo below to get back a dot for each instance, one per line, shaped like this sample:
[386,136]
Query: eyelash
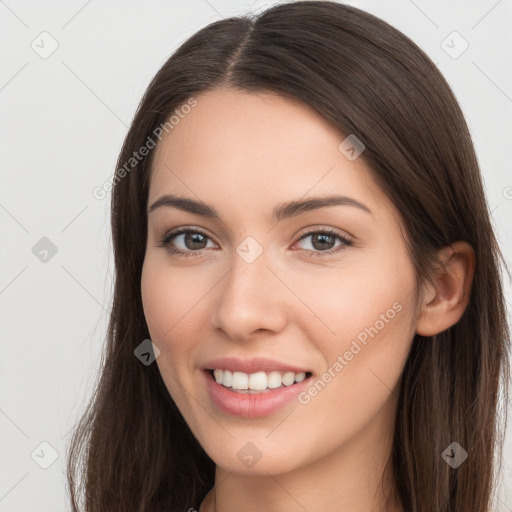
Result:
[310,253]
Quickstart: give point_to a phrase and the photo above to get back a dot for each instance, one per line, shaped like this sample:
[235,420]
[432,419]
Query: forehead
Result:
[251,148]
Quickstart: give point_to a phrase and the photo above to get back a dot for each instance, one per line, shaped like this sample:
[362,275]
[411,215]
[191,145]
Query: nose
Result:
[251,298]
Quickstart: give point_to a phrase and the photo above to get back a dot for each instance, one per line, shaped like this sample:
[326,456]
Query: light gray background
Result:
[63,122]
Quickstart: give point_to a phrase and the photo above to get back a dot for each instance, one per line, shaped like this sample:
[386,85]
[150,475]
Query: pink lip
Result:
[256,364]
[251,405]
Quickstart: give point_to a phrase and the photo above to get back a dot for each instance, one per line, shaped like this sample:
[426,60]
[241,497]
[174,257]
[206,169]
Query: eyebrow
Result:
[280,212]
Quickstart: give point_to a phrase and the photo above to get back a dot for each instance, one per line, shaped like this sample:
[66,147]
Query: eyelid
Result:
[319,227]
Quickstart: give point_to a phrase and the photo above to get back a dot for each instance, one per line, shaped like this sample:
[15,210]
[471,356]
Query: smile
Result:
[254,403]
[257,382]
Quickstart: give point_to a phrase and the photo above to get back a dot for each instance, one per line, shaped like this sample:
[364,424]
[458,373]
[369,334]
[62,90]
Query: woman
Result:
[300,229]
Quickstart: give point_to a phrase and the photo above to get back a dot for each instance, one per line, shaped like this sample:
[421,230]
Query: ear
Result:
[445,300]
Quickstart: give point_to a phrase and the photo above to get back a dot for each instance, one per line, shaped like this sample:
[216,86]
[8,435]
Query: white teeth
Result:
[274,380]
[288,378]
[227,378]
[300,377]
[240,380]
[258,381]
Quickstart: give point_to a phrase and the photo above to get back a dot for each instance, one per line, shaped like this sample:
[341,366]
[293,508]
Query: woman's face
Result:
[250,285]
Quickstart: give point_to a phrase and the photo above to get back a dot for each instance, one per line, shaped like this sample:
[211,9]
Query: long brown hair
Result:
[132,450]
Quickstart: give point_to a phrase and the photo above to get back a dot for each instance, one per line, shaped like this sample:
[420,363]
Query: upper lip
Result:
[253,365]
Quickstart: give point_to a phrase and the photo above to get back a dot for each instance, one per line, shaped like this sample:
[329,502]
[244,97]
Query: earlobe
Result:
[445,301]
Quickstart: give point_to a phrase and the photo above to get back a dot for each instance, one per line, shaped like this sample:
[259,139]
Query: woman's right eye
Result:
[190,237]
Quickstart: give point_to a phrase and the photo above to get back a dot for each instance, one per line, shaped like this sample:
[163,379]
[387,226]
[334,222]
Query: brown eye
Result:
[194,240]
[191,240]
[323,242]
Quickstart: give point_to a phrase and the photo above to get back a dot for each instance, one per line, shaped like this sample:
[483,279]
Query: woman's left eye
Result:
[323,238]
[194,237]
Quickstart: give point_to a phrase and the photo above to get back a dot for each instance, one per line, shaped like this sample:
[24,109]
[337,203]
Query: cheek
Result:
[360,383]
[364,330]
[167,299]
[172,305]
[341,304]
[156,300]
[162,310]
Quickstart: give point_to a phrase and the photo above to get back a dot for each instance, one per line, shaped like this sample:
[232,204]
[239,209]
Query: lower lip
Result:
[252,405]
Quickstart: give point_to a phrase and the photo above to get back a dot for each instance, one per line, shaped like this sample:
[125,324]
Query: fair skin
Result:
[243,154]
